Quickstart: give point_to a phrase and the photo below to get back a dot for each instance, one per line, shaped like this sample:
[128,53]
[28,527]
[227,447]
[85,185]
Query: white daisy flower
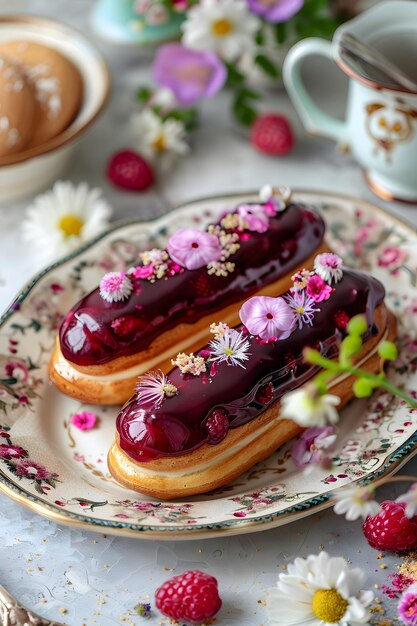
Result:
[156,139]
[281,196]
[231,348]
[354,502]
[307,407]
[329,267]
[319,591]
[410,499]
[224,26]
[64,218]
[115,287]
[153,387]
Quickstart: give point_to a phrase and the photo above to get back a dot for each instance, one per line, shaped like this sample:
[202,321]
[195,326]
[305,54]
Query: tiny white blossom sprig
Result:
[115,287]
[189,363]
[219,330]
[354,502]
[232,348]
[309,407]
[153,387]
[329,267]
[410,500]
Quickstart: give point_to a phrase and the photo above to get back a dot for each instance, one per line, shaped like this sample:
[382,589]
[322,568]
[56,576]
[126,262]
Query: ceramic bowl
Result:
[31,170]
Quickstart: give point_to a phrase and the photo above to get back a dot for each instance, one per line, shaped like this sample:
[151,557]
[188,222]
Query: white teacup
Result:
[381,122]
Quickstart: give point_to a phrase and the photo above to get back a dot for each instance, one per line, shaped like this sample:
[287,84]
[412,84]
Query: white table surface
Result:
[83,578]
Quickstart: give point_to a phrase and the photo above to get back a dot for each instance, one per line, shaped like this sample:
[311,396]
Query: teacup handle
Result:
[315,120]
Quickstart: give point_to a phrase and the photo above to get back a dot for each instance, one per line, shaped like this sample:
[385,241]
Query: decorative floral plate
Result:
[60,471]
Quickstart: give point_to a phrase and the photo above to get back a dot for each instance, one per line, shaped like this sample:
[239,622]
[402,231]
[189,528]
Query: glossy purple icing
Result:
[273,369]
[88,338]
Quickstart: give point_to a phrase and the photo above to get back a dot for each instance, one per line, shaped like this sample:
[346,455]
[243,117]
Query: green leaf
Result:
[388,350]
[280,33]
[362,388]
[267,66]
[357,326]
[234,77]
[8,381]
[143,94]
[243,108]
[35,325]
[260,37]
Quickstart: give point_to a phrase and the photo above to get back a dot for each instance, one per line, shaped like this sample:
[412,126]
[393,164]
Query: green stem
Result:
[335,368]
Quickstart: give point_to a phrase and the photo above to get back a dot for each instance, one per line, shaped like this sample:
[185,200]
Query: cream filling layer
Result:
[202,467]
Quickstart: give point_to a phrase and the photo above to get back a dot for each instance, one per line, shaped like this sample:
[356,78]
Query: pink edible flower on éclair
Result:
[329,267]
[267,317]
[85,420]
[255,217]
[318,289]
[141,271]
[192,248]
[115,286]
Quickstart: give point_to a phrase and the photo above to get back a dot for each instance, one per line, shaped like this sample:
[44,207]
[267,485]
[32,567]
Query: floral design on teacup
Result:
[389,125]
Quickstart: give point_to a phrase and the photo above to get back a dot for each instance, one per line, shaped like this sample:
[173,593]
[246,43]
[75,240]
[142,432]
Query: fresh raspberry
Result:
[192,596]
[264,393]
[272,134]
[391,529]
[126,326]
[203,287]
[130,170]
[342,319]
[217,426]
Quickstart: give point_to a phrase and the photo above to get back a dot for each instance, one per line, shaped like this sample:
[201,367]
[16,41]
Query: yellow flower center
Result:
[300,309]
[222,27]
[228,352]
[71,225]
[160,143]
[329,606]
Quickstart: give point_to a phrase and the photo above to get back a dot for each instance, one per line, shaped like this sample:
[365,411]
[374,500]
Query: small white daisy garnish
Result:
[303,306]
[158,139]
[64,218]
[308,407]
[354,502]
[224,26]
[319,591]
[231,348]
[153,387]
[410,499]
[115,287]
[329,267]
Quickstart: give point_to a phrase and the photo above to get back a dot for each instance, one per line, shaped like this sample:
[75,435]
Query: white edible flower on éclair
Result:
[153,387]
[231,348]
[307,407]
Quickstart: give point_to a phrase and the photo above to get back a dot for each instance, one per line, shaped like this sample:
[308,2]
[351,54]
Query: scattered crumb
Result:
[383,566]
[63,610]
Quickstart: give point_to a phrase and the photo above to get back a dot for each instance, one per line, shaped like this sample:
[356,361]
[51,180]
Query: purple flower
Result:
[190,74]
[275,10]
[255,217]
[407,606]
[303,307]
[30,469]
[308,449]
[193,248]
[267,317]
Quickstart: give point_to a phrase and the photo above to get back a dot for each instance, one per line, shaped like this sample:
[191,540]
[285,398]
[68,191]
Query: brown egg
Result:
[57,83]
[17,109]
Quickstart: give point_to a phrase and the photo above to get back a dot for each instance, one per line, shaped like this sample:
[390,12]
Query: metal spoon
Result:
[364,52]
[13,614]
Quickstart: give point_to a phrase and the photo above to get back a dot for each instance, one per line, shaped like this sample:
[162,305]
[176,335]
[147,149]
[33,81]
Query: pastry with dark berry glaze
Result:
[218,411]
[135,319]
